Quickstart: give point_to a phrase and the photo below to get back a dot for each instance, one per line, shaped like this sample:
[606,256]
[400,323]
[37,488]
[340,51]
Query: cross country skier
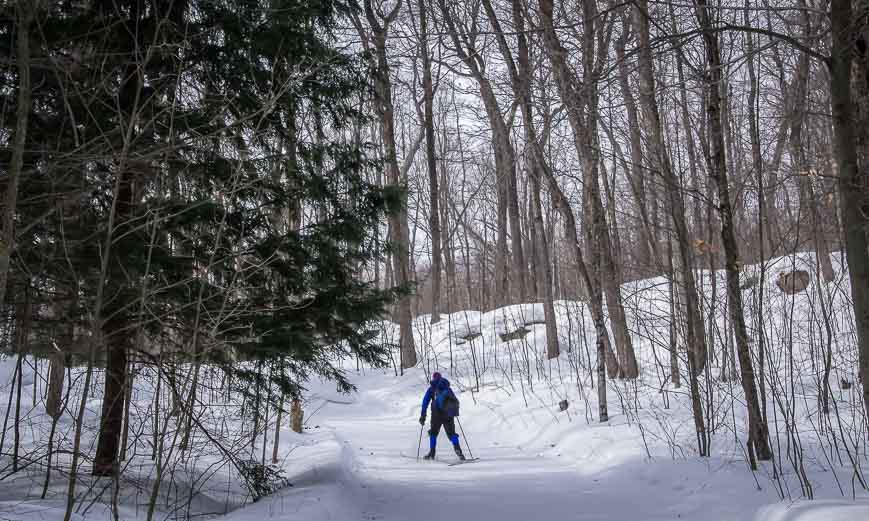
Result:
[444,409]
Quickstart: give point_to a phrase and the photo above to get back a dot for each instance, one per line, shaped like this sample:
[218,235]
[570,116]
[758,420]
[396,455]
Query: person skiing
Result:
[444,409]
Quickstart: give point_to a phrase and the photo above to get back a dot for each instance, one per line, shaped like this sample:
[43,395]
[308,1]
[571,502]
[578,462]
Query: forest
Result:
[220,217]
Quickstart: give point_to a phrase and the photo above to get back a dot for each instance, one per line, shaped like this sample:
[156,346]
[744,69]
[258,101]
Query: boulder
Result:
[514,335]
[749,282]
[792,282]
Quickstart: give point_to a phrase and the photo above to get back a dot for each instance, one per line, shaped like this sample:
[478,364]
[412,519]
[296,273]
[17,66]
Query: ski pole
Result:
[419,445]
[471,454]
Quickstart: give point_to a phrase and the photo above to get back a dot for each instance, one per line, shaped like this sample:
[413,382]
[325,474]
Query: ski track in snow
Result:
[367,477]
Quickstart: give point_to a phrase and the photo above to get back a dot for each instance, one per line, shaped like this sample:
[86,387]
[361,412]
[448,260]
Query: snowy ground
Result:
[363,466]
[371,473]
[356,459]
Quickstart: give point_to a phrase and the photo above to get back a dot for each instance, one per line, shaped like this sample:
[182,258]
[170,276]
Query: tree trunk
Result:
[757,429]
[277,441]
[397,221]
[128,398]
[519,266]
[661,165]
[116,317]
[431,162]
[612,215]
[535,287]
[520,78]
[801,167]
[502,274]
[756,155]
[675,376]
[296,416]
[117,329]
[590,283]
[636,174]
[54,399]
[582,112]
[24,17]
[112,419]
[544,273]
[853,173]
[758,164]
[505,161]
[603,414]
[22,340]
[57,361]
[446,224]
[688,128]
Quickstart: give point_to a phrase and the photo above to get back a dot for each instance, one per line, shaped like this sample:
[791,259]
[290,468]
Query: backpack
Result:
[451,405]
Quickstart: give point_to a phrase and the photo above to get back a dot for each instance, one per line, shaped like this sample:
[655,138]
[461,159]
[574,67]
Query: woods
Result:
[215,202]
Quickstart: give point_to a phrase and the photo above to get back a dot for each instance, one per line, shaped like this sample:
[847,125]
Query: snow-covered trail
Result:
[368,472]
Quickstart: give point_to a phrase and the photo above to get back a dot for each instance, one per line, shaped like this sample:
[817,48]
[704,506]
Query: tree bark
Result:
[756,155]
[691,148]
[544,272]
[296,415]
[54,399]
[533,244]
[675,376]
[758,165]
[128,398]
[447,240]
[57,360]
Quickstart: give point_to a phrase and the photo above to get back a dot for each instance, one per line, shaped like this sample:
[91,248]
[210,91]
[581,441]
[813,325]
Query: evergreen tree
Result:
[173,187]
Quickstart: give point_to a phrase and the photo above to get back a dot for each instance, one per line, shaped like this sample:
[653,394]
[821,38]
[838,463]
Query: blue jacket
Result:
[437,394]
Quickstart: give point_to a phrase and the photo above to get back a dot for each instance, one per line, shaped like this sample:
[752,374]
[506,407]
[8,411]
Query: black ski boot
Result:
[459,453]
[430,455]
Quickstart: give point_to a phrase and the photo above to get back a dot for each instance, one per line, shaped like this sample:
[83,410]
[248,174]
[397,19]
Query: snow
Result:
[523,472]
[357,458]
[820,510]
